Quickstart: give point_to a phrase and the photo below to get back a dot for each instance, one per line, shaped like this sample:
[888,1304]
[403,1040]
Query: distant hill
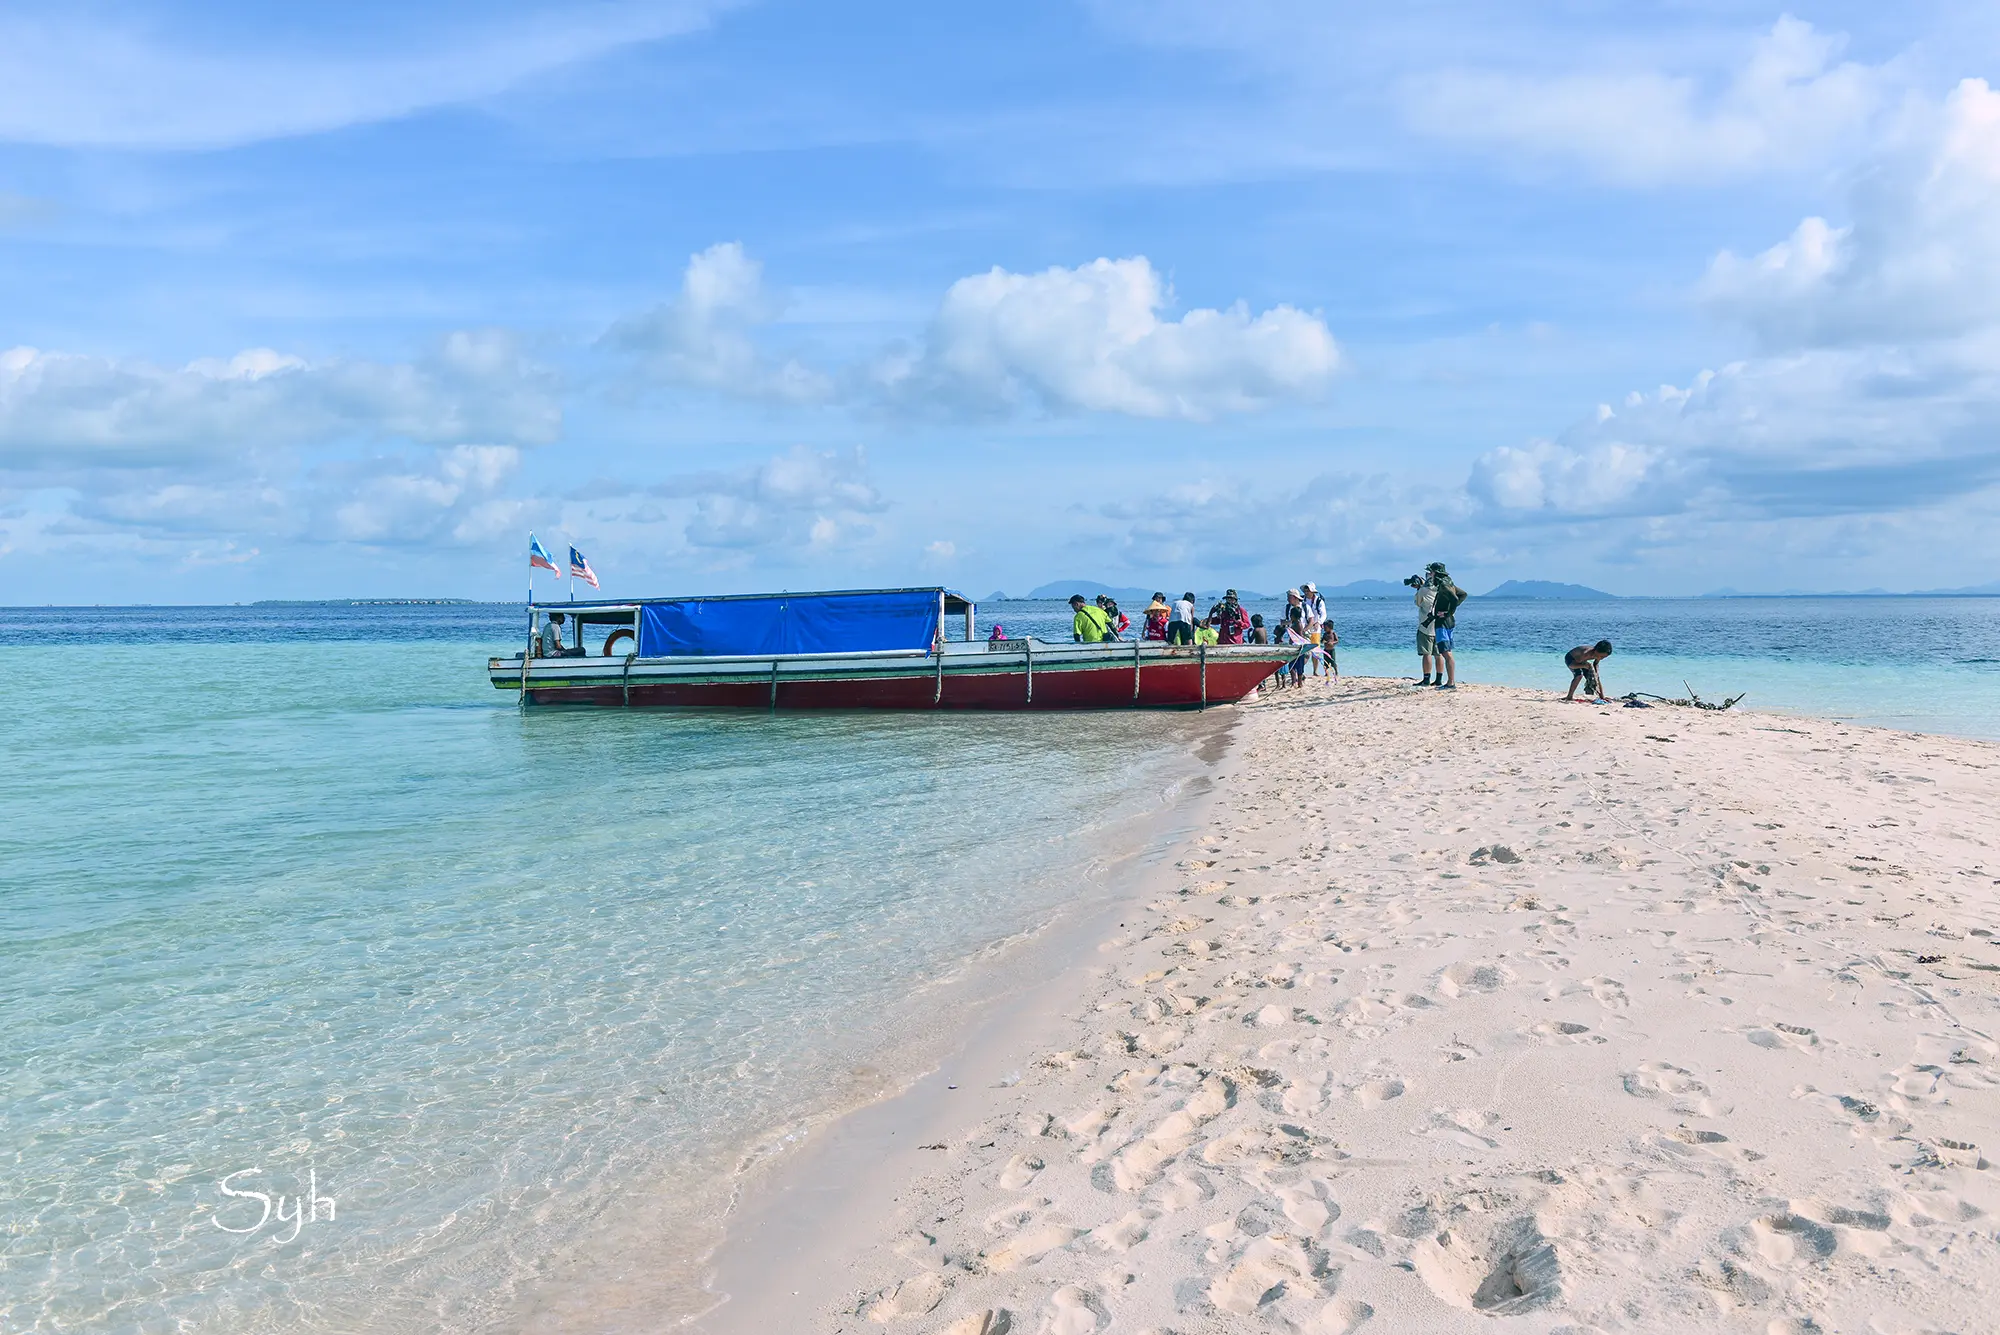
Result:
[1969,591]
[1991,590]
[1366,588]
[1547,589]
[1091,588]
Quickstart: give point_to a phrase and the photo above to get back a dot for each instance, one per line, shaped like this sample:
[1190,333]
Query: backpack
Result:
[1449,600]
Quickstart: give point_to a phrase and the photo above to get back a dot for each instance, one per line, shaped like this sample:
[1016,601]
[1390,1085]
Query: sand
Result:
[1472,1012]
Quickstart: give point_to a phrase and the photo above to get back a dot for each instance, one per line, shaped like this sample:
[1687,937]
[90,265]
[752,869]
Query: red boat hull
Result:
[1183,681]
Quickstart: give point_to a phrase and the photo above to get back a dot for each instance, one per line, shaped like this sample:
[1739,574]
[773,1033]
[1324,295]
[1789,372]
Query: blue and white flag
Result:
[539,558]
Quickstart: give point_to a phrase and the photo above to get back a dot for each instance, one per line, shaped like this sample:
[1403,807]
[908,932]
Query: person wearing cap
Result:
[1229,620]
[1089,624]
[1180,621]
[1446,600]
[1157,616]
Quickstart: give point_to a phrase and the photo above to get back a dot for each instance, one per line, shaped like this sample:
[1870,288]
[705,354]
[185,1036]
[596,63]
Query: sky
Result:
[345,301]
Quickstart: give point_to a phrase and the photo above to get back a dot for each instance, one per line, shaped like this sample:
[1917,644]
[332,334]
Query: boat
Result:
[855,649]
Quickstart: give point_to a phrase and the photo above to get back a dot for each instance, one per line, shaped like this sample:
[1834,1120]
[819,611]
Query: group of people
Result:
[1304,623]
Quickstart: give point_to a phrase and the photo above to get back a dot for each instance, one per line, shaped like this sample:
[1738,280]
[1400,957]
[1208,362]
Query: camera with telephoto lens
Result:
[1415,581]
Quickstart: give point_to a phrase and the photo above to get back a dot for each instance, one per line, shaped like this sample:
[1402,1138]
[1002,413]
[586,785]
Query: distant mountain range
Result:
[1542,588]
[1090,589]
[1989,590]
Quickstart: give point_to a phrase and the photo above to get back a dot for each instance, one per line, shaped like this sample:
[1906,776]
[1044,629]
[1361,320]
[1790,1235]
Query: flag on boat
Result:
[580,568]
[539,558]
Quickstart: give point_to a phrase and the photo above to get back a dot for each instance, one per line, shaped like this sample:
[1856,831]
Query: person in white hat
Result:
[1315,607]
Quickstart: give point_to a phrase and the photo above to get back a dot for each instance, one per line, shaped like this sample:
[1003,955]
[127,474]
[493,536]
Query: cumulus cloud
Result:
[1919,256]
[1545,477]
[703,337]
[793,504]
[1786,106]
[1220,525]
[1878,391]
[1091,339]
[264,447]
[68,410]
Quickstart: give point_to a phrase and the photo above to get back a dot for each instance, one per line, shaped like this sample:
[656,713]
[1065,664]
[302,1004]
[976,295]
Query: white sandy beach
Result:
[1469,1012]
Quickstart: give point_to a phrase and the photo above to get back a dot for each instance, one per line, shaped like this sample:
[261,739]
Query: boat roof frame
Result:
[954,601]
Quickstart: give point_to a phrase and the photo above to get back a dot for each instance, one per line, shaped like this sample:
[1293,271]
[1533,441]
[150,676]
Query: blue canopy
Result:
[792,623]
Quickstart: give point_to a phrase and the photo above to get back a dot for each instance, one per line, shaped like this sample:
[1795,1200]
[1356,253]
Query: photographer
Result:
[1426,599]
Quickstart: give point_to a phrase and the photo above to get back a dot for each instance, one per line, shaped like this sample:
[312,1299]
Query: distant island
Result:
[1548,589]
[366,602]
[1062,589]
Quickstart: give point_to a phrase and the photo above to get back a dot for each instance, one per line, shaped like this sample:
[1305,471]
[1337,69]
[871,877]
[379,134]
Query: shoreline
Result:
[1484,1015]
[652,1261]
[773,1258]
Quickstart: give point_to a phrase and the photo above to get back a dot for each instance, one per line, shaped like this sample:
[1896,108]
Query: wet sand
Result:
[1468,1011]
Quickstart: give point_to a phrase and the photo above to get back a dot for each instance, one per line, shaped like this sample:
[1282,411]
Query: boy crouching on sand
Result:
[1582,663]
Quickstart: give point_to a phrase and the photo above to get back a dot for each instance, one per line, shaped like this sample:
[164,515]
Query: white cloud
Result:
[451,496]
[62,411]
[265,447]
[1545,476]
[792,504]
[1788,106]
[71,76]
[1920,257]
[702,338]
[1091,339]
[1221,527]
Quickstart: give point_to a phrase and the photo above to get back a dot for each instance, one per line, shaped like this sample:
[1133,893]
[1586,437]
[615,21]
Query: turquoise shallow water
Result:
[294,890]
[335,911]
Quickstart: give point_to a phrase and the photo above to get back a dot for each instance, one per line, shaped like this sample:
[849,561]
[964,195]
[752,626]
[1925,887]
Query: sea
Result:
[341,994]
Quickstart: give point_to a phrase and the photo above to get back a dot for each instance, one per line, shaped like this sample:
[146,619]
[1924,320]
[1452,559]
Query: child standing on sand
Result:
[1582,663]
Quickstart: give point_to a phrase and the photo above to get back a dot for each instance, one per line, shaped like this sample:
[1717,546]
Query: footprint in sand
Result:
[1676,1085]
[1788,1239]
[1138,1164]
[1075,1310]
[1468,1128]
[913,1297]
[1308,1205]
[1031,1244]
[1342,1316]
[1181,1190]
[999,1321]
[1780,1036]
[1375,1093]
[1501,1267]
[1125,1233]
[1020,1171]
[1306,1094]
[1270,1268]
[1470,977]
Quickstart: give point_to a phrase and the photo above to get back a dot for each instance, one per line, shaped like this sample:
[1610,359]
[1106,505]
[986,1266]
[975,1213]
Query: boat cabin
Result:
[845,622]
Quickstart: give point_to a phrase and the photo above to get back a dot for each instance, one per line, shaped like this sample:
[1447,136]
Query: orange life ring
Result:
[612,639]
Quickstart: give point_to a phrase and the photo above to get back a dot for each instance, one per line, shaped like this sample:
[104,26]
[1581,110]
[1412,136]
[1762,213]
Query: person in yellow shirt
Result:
[1090,625]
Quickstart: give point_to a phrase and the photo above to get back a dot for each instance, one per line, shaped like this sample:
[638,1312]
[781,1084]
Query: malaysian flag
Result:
[539,558]
[580,568]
